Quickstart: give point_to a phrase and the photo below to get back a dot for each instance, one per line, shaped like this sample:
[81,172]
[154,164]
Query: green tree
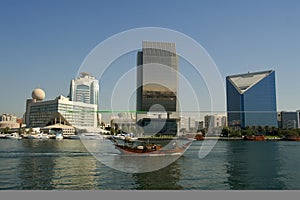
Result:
[234,133]
[259,129]
[112,131]
[6,130]
[274,131]
[225,132]
[267,130]
[286,132]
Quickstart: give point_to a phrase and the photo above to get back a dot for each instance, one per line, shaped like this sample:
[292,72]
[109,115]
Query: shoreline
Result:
[162,139]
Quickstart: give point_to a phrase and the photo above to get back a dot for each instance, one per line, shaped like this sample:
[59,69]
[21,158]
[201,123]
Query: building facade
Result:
[187,124]
[77,114]
[157,80]
[290,120]
[251,99]
[199,125]
[85,89]
[8,117]
[214,121]
[157,76]
[8,120]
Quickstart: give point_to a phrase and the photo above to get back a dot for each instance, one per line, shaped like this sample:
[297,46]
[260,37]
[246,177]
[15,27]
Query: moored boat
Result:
[2,136]
[42,136]
[292,138]
[14,136]
[59,136]
[32,136]
[58,132]
[199,137]
[254,137]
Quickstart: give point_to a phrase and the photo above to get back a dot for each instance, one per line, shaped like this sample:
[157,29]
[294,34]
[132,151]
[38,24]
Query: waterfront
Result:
[66,165]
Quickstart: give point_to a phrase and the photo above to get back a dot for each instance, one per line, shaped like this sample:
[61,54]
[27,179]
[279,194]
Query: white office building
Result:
[214,121]
[85,89]
[41,113]
[290,119]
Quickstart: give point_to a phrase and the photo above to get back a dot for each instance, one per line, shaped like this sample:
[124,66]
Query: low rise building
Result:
[289,120]
[214,121]
[8,121]
[41,113]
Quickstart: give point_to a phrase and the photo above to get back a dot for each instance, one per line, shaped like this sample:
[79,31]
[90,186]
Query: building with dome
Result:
[62,110]
[38,94]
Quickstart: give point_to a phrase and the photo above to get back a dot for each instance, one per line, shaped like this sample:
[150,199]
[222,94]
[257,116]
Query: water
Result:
[66,165]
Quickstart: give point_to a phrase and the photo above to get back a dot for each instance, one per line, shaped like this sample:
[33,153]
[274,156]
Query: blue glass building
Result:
[251,99]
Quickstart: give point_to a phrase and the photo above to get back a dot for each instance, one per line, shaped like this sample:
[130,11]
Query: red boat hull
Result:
[255,138]
[293,138]
[149,151]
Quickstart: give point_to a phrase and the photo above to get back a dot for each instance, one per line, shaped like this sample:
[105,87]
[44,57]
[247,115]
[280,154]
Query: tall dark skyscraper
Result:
[157,79]
[251,99]
[157,76]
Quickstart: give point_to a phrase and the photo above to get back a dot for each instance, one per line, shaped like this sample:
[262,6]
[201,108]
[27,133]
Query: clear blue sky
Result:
[43,43]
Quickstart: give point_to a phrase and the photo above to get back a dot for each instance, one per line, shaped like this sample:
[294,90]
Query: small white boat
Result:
[58,132]
[14,136]
[43,136]
[59,136]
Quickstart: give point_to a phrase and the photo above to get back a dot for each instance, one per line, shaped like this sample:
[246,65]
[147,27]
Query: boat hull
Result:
[14,136]
[255,138]
[292,138]
[125,150]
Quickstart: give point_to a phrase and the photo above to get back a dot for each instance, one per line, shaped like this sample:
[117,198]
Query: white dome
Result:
[38,94]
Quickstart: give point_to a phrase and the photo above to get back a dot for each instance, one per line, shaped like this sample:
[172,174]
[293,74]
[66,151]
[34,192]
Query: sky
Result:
[43,43]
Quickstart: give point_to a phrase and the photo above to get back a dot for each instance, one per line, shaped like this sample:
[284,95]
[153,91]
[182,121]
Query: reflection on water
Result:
[163,179]
[50,164]
[207,173]
[107,153]
[66,164]
[36,167]
[254,165]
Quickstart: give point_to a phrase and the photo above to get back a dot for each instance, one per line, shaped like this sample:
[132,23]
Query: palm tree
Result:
[259,129]
[267,130]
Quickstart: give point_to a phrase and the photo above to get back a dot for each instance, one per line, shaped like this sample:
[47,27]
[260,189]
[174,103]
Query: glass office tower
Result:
[157,82]
[157,76]
[251,99]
